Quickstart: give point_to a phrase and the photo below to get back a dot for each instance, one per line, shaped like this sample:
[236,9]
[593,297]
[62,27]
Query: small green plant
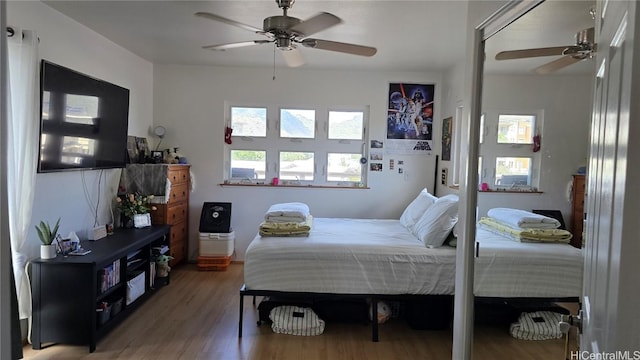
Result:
[45,233]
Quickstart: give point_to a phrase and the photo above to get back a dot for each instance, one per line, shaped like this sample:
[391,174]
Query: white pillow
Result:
[416,208]
[436,223]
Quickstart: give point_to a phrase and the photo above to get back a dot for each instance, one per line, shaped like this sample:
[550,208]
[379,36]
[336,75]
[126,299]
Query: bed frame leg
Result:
[374,320]
[240,317]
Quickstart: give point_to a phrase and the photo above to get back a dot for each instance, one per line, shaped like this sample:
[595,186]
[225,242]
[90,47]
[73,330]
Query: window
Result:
[513,171]
[317,145]
[516,129]
[346,125]
[344,167]
[246,121]
[508,159]
[297,166]
[297,123]
[248,165]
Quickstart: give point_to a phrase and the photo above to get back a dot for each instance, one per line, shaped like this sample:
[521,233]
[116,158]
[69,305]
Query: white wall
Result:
[68,43]
[566,101]
[453,81]
[189,102]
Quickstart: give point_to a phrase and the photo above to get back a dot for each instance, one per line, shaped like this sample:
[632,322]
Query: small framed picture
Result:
[157,156]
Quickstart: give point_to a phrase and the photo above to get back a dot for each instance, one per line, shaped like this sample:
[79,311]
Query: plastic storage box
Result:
[214,263]
[135,287]
[217,244]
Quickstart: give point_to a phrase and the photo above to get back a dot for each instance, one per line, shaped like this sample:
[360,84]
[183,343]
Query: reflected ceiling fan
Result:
[585,48]
[287,32]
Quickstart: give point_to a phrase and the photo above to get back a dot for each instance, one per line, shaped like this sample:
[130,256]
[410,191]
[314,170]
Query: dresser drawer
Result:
[178,193]
[178,254]
[169,214]
[178,174]
[178,241]
[178,234]
[176,214]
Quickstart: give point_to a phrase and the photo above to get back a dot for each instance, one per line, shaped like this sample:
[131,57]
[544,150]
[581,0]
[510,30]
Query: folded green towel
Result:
[527,235]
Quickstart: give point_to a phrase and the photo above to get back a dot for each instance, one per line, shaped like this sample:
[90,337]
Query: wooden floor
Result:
[196,317]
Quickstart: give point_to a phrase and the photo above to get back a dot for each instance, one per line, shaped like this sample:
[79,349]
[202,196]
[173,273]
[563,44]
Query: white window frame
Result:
[490,149]
[321,145]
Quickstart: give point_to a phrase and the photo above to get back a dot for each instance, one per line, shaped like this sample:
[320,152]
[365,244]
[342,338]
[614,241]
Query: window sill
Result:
[299,186]
[502,191]
[507,191]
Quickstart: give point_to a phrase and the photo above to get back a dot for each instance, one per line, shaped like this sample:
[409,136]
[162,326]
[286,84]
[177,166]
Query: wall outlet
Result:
[97,233]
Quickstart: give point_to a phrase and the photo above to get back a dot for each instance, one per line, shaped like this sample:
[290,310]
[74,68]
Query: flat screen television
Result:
[83,122]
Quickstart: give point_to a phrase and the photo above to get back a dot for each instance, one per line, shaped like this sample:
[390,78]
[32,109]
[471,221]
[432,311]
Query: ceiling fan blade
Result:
[223,47]
[221,19]
[556,65]
[320,22]
[293,57]
[340,47]
[527,53]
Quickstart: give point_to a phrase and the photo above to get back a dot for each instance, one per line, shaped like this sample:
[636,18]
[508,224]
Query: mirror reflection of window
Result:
[516,129]
[513,171]
[81,109]
[73,149]
[46,107]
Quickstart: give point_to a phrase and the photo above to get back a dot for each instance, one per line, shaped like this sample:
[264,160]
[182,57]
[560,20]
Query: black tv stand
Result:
[79,299]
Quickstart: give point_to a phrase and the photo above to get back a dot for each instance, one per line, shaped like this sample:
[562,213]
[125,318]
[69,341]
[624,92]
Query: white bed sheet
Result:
[349,256]
[508,268]
[367,256]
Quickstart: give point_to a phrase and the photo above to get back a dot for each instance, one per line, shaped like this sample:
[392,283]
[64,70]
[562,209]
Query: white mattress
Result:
[508,268]
[363,256]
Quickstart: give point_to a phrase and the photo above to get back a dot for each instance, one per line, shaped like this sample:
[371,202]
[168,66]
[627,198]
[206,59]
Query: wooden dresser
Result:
[577,209]
[176,211]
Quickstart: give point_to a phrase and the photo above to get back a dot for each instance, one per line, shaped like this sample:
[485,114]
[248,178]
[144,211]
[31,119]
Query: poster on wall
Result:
[447,133]
[410,118]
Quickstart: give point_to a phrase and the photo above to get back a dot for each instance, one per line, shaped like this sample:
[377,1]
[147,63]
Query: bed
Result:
[380,259]
[407,259]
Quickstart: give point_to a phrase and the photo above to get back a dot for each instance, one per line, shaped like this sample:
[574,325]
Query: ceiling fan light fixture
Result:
[285,4]
[284,43]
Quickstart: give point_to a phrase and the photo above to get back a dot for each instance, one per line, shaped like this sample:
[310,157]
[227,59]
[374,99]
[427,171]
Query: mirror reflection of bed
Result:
[518,87]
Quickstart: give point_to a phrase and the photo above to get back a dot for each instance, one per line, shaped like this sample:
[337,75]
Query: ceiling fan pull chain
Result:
[274,62]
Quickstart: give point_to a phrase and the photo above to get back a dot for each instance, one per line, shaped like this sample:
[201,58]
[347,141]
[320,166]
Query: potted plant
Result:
[47,235]
[162,263]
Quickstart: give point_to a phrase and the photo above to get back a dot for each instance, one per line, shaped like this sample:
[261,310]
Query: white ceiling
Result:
[425,35]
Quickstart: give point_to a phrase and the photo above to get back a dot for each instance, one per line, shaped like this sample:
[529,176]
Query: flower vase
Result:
[48,251]
[126,222]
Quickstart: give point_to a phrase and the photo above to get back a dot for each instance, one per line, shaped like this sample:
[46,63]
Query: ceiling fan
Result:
[585,48]
[286,32]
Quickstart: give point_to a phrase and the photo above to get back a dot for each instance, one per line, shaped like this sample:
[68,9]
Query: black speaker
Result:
[215,217]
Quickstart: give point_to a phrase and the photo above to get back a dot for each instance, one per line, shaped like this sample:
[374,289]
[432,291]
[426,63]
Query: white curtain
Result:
[22,153]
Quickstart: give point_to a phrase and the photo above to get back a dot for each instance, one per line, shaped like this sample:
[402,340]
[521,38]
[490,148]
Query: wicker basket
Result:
[214,263]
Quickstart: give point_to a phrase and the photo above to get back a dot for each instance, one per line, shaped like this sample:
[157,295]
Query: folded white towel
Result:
[523,219]
[287,212]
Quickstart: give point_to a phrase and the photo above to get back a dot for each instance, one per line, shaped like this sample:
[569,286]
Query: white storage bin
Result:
[217,244]
[135,288]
